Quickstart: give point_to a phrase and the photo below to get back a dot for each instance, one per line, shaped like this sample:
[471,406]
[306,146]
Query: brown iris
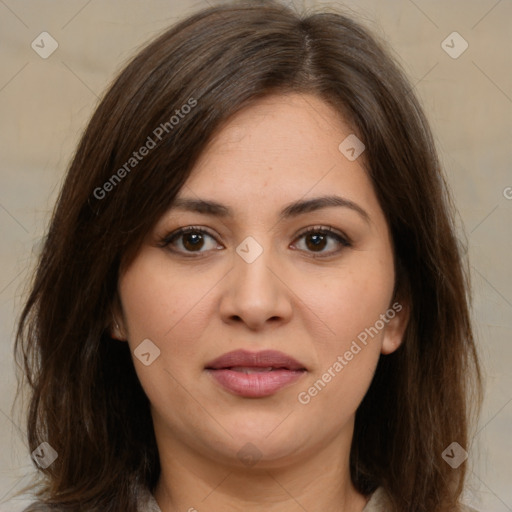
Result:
[318,244]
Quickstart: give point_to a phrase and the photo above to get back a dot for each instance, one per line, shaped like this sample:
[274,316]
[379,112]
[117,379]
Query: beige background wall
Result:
[45,104]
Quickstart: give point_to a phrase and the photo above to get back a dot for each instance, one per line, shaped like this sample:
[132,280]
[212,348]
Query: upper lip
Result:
[262,359]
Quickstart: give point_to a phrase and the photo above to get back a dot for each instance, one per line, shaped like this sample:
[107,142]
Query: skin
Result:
[194,309]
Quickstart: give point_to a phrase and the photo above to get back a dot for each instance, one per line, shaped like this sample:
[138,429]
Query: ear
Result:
[117,328]
[398,318]
[117,331]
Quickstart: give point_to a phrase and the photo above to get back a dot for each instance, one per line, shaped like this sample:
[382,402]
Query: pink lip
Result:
[285,371]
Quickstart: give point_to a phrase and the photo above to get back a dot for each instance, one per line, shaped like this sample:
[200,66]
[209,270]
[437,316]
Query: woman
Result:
[251,295]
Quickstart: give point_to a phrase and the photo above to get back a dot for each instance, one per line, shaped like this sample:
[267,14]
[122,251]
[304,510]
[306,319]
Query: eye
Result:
[191,239]
[317,238]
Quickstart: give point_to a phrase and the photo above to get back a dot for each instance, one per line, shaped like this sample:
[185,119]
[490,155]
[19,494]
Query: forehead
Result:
[282,125]
[279,150]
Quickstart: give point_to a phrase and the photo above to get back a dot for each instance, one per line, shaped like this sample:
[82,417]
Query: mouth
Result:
[265,360]
[249,370]
[255,374]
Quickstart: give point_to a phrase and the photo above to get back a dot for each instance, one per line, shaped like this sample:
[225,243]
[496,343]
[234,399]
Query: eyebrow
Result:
[291,210]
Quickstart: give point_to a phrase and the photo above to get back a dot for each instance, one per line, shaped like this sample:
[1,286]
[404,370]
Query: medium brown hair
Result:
[85,397]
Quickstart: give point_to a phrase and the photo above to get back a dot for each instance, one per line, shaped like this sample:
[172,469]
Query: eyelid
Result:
[167,239]
[326,229]
[329,231]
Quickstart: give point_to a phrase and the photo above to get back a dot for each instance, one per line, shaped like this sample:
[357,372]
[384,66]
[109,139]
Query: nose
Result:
[256,293]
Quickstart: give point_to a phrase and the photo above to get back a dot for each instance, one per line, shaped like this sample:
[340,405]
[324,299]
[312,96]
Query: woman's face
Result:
[248,277]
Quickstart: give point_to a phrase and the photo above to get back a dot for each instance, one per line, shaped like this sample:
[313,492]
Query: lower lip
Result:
[255,385]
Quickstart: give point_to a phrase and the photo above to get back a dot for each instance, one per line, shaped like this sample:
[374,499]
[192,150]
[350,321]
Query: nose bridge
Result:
[252,263]
[255,293]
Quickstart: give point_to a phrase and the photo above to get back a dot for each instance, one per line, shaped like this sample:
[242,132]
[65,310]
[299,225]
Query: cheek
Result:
[350,299]
[161,306]
[350,304]
[157,303]
[346,360]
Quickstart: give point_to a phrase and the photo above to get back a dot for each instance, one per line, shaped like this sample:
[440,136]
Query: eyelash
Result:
[322,230]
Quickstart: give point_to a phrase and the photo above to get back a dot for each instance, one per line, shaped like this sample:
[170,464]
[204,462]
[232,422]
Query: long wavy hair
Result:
[85,397]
